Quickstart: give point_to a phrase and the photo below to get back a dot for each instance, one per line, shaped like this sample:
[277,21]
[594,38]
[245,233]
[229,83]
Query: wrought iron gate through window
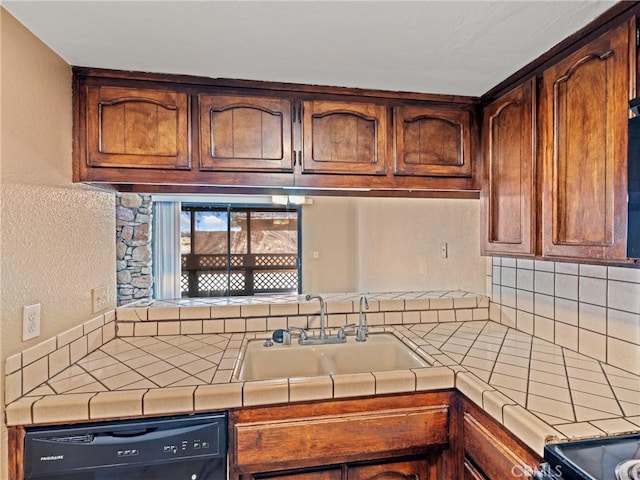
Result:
[233,250]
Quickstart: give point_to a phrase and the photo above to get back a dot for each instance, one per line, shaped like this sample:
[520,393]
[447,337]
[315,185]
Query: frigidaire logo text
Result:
[51,457]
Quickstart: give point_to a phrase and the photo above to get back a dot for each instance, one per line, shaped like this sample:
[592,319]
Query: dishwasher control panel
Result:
[134,442]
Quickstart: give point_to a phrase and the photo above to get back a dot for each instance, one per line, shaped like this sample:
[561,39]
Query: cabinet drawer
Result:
[340,437]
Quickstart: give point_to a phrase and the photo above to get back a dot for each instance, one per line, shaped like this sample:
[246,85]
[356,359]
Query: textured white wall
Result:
[329,227]
[57,238]
[392,244]
[399,245]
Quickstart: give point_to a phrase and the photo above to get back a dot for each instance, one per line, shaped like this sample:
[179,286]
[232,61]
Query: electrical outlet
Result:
[31,322]
[99,297]
[443,250]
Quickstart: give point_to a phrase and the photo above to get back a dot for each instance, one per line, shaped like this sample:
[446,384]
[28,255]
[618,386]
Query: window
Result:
[232,250]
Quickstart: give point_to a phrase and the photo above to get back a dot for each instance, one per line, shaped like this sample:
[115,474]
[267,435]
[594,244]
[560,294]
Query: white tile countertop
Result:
[179,357]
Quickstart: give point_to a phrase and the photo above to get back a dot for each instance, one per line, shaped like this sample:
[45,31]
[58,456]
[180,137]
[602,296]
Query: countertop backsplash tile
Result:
[601,303]
[518,365]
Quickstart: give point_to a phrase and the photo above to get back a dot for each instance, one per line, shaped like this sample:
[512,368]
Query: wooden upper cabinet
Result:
[137,128]
[344,138]
[245,133]
[432,141]
[508,195]
[584,113]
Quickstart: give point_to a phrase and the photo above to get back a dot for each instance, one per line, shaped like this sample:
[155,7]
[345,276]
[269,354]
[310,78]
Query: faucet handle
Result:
[341,333]
[303,333]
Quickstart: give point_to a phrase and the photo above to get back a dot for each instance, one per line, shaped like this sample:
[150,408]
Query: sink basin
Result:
[275,362]
[381,352]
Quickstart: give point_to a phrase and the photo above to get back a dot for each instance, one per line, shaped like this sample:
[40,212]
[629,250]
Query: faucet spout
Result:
[323,333]
[363,328]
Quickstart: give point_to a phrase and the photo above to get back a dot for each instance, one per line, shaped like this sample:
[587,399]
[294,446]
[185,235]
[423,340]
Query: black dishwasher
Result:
[190,447]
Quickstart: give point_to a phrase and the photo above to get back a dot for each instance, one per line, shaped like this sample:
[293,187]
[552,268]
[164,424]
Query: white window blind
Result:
[166,250]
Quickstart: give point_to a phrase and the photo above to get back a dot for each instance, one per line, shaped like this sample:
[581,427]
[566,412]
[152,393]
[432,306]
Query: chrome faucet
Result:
[363,327]
[323,333]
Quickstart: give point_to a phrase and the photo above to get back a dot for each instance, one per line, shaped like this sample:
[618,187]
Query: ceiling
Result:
[453,47]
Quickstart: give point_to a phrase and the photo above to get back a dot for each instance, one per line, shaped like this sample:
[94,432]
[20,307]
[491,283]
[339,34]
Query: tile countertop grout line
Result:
[231,394]
[459,375]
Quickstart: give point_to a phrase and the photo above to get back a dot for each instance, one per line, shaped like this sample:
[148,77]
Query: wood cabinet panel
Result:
[337,432]
[406,470]
[344,138]
[432,141]
[315,438]
[509,187]
[245,133]
[490,451]
[328,474]
[584,112]
[137,128]
[471,472]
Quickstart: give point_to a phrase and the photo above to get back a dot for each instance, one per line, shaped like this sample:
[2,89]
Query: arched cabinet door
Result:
[584,114]
[137,128]
[508,193]
[245,133]
[432,141]
[344,138]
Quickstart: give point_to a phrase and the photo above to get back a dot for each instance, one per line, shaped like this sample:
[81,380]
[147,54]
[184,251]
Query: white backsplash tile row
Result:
[593,309]
[27,370]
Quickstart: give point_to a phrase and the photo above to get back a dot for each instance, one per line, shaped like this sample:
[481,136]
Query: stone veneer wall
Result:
[133,247]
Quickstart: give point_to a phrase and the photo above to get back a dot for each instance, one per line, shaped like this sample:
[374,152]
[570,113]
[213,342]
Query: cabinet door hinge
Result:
[297,114]
[637,37]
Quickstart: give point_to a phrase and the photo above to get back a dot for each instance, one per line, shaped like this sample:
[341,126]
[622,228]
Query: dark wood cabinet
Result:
[245,133]
[583,119]
[347,138]
[471,472]
[432,141]
[329,473]
[176,134]
[383,438]
[422,469]
[490,451]
[509,181]
[421,436]
[137,128]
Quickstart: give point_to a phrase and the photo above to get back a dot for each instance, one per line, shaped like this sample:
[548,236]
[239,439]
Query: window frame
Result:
[249,289]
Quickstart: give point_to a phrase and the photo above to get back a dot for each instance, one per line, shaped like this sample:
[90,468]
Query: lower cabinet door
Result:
[422,469]
[329,474]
